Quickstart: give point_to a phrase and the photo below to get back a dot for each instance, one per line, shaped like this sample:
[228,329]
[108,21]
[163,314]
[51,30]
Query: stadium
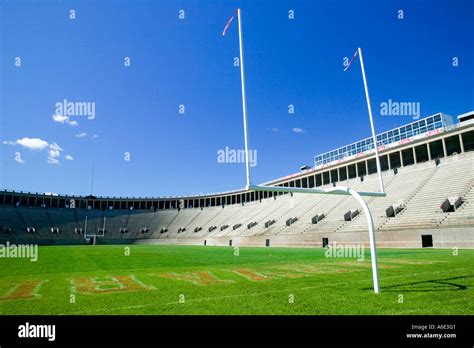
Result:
[380,223]
[427,169]
[426,166]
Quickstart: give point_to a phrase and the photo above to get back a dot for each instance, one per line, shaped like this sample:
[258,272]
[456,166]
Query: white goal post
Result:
[93,234]
[336,190]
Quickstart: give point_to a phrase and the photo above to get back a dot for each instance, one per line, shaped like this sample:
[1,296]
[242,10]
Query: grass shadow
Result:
[447,284]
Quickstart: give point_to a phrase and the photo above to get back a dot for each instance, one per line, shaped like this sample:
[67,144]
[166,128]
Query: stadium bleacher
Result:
[419,178]
[421,189]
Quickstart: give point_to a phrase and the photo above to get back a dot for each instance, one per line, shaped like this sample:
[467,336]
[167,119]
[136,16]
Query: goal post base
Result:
[341,190]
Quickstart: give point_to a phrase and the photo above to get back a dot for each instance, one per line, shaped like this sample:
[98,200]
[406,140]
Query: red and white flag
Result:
[228,23]
[352,59]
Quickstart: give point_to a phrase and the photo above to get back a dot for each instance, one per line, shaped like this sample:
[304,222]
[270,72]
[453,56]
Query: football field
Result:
[155,279]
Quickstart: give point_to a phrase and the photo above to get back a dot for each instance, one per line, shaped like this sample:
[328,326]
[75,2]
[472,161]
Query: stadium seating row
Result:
[418,191]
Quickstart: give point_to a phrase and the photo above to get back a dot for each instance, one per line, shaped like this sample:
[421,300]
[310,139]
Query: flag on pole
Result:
[352,59]
[228,23]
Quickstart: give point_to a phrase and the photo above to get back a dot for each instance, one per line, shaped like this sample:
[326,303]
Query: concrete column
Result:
[401,159]
[461,143]
[414,155]
[429,152]
[445,153]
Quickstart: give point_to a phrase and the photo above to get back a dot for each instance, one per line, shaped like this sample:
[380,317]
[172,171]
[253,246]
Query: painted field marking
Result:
[197,278]
[25,290]
[107,284]
[258,294]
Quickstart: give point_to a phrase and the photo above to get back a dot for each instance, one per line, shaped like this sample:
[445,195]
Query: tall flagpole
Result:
[244,100]
[377,159]
[373,247]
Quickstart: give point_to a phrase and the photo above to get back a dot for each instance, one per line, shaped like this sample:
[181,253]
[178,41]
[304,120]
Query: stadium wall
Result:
[452,237]
[252,218]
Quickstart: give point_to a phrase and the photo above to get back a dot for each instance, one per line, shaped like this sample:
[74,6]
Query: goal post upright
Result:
[372,128]
[373,244]
[244,100]
[341,190]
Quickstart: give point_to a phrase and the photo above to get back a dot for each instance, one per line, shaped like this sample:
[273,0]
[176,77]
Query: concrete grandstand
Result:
[427,167]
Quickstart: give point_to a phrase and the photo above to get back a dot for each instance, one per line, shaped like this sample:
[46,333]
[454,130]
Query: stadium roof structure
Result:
[386,139]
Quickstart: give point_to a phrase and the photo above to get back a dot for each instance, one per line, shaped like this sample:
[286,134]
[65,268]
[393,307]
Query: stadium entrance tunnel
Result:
[325,242]
[450,204]
[427,241]
[393,210]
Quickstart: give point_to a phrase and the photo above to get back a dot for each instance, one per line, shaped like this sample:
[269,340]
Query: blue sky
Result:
[187,61]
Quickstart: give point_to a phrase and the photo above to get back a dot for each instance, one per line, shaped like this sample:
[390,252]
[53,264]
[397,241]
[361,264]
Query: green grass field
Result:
[212,280]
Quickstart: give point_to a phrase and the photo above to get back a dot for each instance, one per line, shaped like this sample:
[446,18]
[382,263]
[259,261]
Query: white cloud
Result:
[69,157]
[54,150]
[19,160]
[55,146]
[37,144]
[297,130]
[274,129]
[81,135]
[64,119]
[95,136]
[29,143]
[60,118]
[52,160]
